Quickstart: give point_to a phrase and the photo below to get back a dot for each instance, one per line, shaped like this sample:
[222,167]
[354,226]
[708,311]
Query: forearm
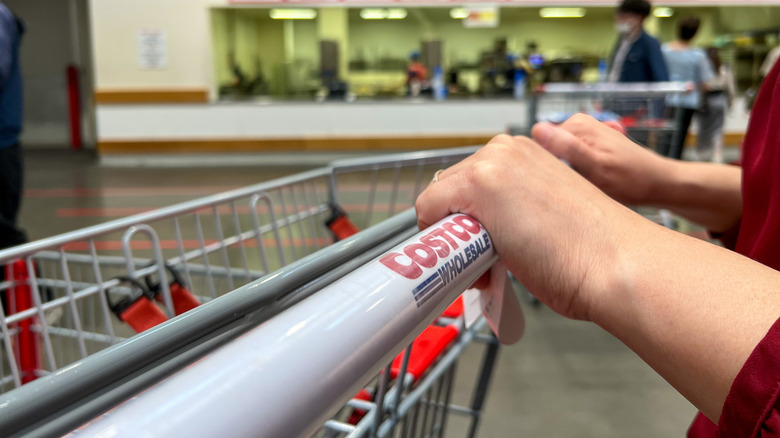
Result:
[708,194]
[691,310]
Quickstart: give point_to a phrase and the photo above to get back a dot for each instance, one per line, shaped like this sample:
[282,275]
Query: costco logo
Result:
[461,234]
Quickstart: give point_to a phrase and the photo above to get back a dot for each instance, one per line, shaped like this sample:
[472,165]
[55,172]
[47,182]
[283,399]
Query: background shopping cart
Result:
[640,108]
[58,292]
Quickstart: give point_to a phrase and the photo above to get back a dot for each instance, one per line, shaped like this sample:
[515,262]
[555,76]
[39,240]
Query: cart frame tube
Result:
[289,375]
[27,405]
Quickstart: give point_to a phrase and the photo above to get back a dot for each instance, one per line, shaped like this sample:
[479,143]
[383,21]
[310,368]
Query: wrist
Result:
[611,278]
[664,180]
[614,297]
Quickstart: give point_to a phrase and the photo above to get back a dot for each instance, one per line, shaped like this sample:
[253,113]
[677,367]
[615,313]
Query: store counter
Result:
[270,126]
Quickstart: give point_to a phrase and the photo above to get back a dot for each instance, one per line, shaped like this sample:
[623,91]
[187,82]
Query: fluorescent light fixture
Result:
[293,14]
[562,12]
[459,13]
[373,14]
[396,14]
[663,12]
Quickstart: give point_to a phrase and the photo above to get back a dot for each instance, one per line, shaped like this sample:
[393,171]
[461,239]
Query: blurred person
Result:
[636,56]
[690,65]
[534,57]
[534,64]
[718,98]
[704,317]
[770,60]
[416,75]
[11,112]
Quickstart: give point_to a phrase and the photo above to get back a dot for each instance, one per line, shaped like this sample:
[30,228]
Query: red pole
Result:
[74,104]
[26,339]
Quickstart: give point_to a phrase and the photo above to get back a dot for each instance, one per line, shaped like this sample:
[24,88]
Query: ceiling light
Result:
[293,14]
[562,12]
[396,14]
[459,13]
[373,14]
[663,12]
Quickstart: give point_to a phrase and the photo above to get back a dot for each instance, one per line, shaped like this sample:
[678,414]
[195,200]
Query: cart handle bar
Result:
[288,376]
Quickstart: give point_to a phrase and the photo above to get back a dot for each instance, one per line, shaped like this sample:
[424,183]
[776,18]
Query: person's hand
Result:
[624,170]
[556,232]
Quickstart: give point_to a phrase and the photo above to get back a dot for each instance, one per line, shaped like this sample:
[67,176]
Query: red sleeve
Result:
[752,408]
[728,237]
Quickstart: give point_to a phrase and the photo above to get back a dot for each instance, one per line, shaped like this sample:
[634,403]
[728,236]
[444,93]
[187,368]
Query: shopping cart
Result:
[73,303]
[639,108]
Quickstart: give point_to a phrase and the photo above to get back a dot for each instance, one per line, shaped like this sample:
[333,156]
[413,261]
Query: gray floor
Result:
[565,378]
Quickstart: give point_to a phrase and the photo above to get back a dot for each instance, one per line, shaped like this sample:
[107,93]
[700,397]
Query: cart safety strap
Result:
[138,310]
[339,224]
[183,299]
[142,314]
[358,414]
[19,298]
[425,350]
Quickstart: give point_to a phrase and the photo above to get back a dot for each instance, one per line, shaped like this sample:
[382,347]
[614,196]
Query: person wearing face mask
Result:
[636,56]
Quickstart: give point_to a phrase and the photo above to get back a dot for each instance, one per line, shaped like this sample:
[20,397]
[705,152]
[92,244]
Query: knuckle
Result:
[501,139]
[485,173]
[523,140]
[494,148]
[578,120]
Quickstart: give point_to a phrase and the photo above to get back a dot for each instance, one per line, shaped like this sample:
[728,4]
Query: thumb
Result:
[563,144]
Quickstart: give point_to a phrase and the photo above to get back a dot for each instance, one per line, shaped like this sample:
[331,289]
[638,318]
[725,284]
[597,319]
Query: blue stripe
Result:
[428,295]
[434,285]
[424,285]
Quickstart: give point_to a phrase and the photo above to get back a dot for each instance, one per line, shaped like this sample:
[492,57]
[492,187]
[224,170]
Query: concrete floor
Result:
[564,379]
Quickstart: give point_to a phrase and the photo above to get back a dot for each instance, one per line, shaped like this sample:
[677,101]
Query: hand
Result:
[622,169]
[557,233]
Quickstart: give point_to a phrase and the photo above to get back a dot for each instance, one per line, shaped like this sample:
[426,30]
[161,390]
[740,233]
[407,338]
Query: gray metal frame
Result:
[302,364]
[576,97]
[288,209]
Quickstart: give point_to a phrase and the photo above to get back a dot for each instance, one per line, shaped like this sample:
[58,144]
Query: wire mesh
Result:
[58,294]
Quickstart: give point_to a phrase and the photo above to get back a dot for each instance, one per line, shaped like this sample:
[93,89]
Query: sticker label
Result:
[447,250]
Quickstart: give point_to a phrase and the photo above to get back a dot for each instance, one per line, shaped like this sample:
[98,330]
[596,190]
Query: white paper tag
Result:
[499,304]
[472,306]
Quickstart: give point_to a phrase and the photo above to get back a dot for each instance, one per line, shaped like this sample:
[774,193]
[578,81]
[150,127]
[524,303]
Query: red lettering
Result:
[462,234]
[442,250]
[467,223]
[435,245]
[411,271]
[428,260]
[438,232]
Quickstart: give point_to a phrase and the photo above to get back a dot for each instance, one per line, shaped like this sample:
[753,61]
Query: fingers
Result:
[448,192]
[564,145]
[439,199]
[483,281]
[616,126]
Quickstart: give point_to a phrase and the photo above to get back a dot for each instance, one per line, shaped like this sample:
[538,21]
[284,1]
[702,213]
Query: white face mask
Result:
[624,28]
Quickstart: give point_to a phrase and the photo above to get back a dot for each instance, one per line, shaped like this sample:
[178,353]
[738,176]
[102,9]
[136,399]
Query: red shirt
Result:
[752,408]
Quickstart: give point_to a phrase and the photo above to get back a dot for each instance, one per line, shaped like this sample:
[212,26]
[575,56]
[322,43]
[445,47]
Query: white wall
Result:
[306,120]
[116,24]
[323,120]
